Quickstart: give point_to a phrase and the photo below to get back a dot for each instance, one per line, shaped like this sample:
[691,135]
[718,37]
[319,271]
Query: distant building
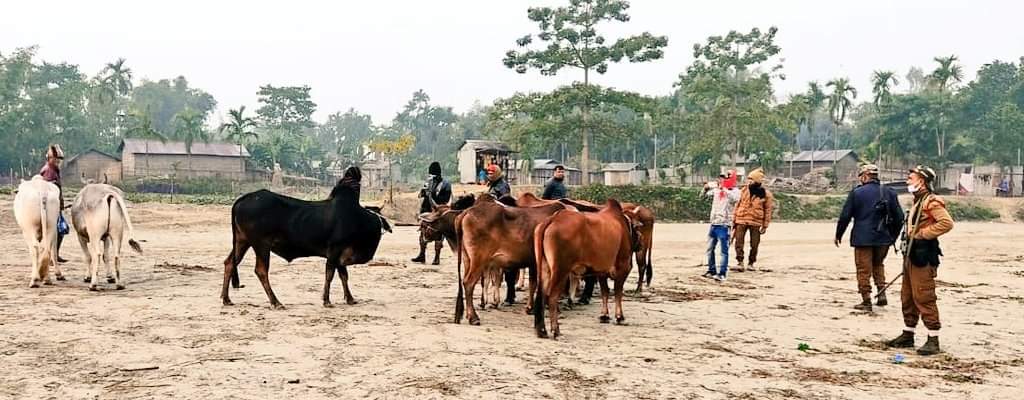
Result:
[541,170]
[143,157]
[623,173]
[474,155]
[93,164]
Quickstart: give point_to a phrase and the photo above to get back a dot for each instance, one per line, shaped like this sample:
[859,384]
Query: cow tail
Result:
[460,307]
[127,222]
[44,196]
[650,264]
[538,249]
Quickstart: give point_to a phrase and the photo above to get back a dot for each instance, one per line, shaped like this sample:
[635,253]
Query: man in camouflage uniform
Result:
[928,219]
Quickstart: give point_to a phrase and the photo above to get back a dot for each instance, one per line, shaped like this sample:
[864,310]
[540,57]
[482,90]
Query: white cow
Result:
[36,207]
[101,221]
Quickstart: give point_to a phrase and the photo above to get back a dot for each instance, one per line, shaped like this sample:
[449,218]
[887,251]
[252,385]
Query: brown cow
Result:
[645,218]
[495,237]
[571,243]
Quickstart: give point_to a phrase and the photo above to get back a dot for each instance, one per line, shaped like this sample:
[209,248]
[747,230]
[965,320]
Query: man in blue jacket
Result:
[877,220]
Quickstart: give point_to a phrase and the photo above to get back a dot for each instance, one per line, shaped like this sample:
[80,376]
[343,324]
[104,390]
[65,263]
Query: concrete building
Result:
[143,157]
[92,164]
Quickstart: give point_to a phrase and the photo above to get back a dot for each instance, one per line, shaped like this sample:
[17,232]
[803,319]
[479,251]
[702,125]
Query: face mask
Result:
[912,188]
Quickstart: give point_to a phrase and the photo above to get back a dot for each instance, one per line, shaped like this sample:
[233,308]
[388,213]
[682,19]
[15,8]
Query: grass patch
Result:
[963,211]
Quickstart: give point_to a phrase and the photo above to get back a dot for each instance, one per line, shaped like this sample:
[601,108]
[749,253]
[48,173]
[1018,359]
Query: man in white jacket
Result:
[724,197]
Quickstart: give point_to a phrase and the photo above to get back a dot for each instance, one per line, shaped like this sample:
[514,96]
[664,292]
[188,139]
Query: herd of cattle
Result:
[560,243]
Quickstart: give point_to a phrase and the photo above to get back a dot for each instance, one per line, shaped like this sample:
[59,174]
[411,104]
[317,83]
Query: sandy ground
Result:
[167,335]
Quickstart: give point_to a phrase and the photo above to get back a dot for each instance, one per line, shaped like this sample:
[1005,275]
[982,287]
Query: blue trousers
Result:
[718,235]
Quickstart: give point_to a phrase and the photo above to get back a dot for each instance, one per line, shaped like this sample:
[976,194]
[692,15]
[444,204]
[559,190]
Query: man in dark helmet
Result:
[928,219]
[436,191]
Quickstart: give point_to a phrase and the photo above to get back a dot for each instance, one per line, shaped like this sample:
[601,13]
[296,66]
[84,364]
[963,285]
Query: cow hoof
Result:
[87,279]
[328,305]
[543,334]
[228,302]
[33,285]
[351,302]
[605,319]
[436,262]
[120,287]
[620,321]
[529,311]
[48,282]
[93,288]
[111,280]
[474,321]
[239,286]
[60,277]
[277,306]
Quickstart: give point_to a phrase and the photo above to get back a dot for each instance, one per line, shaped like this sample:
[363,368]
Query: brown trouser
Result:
[918,296]
[755,240]
[870,263]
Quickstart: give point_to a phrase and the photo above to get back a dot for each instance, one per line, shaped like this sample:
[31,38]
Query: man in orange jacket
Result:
[753,214]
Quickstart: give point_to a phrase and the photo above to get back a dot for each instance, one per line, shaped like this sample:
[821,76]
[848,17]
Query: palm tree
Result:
[190,128]
[880,82]
[815,99]
[838,105]
[798,110]
[239,128]
[947,74]
[115,79]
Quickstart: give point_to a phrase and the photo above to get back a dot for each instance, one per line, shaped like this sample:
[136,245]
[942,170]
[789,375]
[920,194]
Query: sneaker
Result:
[720,278]
[709,274]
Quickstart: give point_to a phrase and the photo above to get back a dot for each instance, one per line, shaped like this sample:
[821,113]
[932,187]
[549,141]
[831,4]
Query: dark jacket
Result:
[438,189]
[554,190]
[499,188]
[864,206]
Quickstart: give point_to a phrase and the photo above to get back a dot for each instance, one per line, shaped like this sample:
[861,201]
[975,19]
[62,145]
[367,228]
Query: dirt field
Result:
[167,335]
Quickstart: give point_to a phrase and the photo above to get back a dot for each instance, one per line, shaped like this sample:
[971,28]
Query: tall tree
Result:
[916,80]
[730,80]
[840,101]
[115,80]
[815,98]
[345,134]
[432,125]
[288,108]
[881,86]
[942,80]
[239,129]
[571,39]
[189,129]
[165,98]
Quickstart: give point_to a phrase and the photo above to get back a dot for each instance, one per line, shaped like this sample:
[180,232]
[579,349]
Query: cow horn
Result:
[426,217]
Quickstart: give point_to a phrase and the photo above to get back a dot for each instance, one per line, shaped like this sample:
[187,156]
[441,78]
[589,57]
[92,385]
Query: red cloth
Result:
[730,181]
[51,173]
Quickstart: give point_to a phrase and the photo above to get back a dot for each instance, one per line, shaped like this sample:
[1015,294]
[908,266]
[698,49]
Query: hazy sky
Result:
[371,55]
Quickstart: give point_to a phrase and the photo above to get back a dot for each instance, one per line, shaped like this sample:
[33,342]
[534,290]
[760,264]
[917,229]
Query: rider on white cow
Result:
[101,221]
[36,207]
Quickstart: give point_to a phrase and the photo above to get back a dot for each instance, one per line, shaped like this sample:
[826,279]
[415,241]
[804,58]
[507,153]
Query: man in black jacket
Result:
[555,188]
[436,191]
[877,219]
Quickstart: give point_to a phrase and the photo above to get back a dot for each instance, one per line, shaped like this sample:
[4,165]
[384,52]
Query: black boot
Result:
[931,347]
[422,258]
[882,301]
[906,339]
[864,305]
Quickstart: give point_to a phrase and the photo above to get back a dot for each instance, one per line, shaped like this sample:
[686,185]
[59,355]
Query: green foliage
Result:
[286,108]
[162,100]
[345,135]
[795,208]
[224,200]
[967,211]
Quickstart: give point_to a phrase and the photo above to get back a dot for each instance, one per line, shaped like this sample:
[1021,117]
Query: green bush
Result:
[963,211]
[180,199]
[6,190]
[685,204]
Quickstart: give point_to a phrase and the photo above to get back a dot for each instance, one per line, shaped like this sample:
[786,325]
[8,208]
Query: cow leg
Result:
[620,284]
[554,290]
[485,283]
[231,270]
[33,251]
[469,281]
[521,285]
[604,301]
[641,268]
[263,273]
[88,255]
[438,245]
[511,277]
[106,258]
[115,245]
[343,273]
[532,282]
[96,247]
[329,269]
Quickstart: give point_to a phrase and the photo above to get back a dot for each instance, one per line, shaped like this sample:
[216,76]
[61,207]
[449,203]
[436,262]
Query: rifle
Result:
[907,241]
